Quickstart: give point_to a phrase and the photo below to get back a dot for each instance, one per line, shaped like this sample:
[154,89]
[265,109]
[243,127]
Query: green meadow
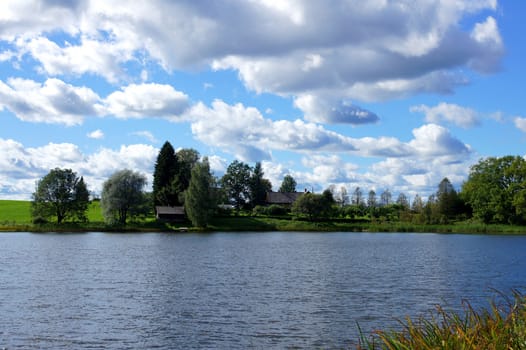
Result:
[13,212]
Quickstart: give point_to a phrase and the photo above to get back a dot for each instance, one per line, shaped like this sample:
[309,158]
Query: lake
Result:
[239,290]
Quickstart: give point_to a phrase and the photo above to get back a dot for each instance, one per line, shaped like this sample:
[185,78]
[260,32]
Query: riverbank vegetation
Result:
[502,326]
[16,216]
[491,200]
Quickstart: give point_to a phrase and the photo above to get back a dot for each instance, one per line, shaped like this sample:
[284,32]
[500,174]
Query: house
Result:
[165,213]
[282,198]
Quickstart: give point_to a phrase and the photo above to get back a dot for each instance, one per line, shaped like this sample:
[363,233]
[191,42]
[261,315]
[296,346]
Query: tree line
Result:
[494,192]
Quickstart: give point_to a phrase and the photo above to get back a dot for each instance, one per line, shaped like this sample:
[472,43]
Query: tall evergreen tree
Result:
[165,170]
[259,186]
[448,201]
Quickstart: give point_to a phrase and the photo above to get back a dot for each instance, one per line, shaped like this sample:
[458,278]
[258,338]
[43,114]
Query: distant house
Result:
[173,214]
[282,198]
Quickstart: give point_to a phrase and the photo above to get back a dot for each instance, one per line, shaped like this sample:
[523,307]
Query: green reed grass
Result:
[499,327]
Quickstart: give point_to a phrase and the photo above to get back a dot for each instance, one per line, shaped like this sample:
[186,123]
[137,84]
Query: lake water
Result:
[238,290]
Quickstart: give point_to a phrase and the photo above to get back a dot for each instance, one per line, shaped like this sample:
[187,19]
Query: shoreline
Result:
[263,224]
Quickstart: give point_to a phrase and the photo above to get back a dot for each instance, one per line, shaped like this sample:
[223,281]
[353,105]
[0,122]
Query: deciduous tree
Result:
[200,199]
[123,197]
[62,194]
[236,183]
[496,188]
[288,184]
[314,206]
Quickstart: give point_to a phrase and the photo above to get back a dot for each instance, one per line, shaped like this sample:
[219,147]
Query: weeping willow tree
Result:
[123,197]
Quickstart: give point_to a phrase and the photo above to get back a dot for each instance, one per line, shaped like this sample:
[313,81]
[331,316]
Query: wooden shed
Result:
[172,214]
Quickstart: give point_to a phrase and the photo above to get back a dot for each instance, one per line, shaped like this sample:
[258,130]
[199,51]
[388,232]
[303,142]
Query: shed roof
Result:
[282,197]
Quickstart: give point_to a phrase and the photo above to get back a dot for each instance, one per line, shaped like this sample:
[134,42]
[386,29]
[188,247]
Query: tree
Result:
[496,188]
[357,196]
[402,200]
[418,204]
[200,199]
[342,197]
[259,186]
[186,159]
[61,193]
[123,197]
[371,199]
[386,198]
[448,201]
[288,184]
[236,183]
[314,205]
[165,171]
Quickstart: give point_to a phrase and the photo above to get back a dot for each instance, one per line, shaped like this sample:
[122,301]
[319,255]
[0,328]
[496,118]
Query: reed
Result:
[499,327]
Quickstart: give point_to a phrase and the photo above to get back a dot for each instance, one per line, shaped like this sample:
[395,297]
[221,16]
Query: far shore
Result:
[262,224]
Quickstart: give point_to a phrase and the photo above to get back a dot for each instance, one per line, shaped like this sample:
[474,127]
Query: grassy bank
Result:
[499,327]
[16,216]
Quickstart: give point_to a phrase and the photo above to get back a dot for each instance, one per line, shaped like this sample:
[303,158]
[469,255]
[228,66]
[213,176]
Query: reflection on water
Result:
[238,290]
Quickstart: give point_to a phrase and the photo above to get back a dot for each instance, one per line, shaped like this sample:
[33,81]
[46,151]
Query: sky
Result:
[377,94]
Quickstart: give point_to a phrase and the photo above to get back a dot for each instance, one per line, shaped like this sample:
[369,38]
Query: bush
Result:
[39,220]
[271,210]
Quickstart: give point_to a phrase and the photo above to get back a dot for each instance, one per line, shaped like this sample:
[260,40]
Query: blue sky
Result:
[378,95]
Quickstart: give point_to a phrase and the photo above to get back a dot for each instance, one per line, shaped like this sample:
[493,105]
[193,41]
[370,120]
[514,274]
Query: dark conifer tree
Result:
[163,177]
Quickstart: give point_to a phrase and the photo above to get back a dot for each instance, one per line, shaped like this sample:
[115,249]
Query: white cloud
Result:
[147,135]
[55,101]
[246,133]
[326,111]
[28,18]
[461,116]
[92,56]
[96,134]
[297,46]
[520,123]
[433,140]
[147,100]
[21,167]
[51,102]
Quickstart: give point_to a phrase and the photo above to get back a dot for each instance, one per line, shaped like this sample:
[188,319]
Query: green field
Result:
[19,212]
[15,212]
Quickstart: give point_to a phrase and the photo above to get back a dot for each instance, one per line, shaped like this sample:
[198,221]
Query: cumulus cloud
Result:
[520,123]
[54,101]
[21,167]
[447,112]
[319,110]
[244,132]
[146,100]
[147,135]
[433,140]
[297,46]
[96,134]
[92,56]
